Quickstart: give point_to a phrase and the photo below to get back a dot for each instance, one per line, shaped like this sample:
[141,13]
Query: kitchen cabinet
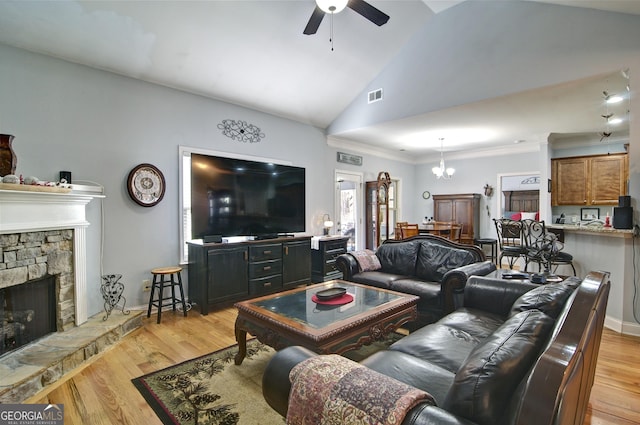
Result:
[589,180]
[463,209]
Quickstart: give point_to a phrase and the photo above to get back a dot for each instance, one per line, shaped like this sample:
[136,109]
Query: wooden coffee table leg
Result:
[241,338]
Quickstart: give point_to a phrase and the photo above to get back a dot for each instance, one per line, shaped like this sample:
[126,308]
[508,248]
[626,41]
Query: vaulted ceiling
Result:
[254,54]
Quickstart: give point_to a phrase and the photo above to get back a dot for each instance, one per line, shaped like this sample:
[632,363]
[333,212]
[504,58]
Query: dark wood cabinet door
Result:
[228,273]
[296,263]
[443,210]
[463,209]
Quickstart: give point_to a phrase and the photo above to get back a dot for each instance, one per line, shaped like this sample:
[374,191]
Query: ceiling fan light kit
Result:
[335,6]
[332,6]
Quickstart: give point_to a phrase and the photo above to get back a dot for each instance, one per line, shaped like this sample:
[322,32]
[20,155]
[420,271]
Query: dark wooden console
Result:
[323,259]
[222,273]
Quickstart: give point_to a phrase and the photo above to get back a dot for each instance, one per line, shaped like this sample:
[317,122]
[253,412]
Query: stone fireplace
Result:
[44,234]
[25,260]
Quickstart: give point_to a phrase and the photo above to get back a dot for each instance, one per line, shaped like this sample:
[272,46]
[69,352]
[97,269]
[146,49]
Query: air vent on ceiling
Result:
[375,95]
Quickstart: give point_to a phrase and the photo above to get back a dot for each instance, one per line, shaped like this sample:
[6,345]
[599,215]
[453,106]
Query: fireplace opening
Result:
[27,312]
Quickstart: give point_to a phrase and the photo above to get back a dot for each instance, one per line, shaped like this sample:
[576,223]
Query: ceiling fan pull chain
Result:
[331,32]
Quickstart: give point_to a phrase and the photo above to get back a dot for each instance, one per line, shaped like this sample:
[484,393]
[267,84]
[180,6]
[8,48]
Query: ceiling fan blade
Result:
[314,21]
[371,13]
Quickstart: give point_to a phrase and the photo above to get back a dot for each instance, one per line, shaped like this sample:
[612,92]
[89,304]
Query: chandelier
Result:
[442,172]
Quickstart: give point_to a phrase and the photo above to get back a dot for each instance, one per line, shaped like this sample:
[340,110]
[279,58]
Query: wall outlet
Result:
[146,285]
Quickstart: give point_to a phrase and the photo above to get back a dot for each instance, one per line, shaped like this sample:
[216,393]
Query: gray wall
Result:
[100,125]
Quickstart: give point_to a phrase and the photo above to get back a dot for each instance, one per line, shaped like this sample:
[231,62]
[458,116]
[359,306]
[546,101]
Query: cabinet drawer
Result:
[335,246]
[265,285]
[265,268]
[330,266]
[264,252]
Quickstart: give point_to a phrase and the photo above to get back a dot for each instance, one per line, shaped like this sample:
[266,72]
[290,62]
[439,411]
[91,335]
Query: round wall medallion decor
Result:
[146,185]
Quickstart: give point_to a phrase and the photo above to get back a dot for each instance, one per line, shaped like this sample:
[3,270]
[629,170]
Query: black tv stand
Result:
[265,236]
[223,273]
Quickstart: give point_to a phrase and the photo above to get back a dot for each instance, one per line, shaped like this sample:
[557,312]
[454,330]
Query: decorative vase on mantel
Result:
[8,158]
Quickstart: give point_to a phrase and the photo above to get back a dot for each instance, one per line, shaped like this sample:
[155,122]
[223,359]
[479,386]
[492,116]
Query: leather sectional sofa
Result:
[514,353]
[431,267]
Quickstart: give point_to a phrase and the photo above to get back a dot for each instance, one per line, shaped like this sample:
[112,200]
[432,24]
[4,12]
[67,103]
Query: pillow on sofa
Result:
[486,381]
[549,299]
[398,257]
[434,260]
[367,260]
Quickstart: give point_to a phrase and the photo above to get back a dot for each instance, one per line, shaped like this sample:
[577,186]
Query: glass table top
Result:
[300,307]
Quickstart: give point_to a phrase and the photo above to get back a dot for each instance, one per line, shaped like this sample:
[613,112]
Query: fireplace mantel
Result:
[25,211]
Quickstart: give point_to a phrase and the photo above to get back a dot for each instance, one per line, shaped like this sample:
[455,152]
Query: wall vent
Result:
[374,96]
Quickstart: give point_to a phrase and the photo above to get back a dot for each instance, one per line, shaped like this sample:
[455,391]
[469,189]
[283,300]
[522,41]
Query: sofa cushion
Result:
[398,258]
[435,259]
[377,279]
[427,291]
[483,385]
[439,344]
[548,298]
[478,323]
[413,371]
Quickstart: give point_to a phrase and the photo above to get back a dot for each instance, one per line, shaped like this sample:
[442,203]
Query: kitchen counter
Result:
[595,247]
[596,230]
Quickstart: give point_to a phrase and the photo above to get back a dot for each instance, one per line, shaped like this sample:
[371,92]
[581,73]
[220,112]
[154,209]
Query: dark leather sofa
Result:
[514,353]
[431,267]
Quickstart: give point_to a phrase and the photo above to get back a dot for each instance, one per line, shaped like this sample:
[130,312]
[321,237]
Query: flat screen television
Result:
[237,197]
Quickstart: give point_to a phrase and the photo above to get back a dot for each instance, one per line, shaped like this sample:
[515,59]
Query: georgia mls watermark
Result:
[31,414]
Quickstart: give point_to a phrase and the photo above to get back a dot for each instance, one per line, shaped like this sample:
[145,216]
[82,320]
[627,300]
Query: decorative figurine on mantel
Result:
[112,290]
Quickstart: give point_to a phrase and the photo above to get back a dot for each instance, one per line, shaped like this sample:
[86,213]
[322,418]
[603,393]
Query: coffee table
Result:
[293,318]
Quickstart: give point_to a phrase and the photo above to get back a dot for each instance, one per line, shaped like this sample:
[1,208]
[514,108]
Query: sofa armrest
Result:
[348,265]
[276,388]
[494,295]
[455,280]
[275,380]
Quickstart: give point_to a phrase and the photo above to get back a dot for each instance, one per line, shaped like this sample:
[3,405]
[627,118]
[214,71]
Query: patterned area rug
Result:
[212,390]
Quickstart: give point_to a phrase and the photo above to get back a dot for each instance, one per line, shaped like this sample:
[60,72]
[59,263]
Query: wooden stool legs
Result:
[165,277]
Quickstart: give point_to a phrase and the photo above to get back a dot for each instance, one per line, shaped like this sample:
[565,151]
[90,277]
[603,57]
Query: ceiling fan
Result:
[334,6]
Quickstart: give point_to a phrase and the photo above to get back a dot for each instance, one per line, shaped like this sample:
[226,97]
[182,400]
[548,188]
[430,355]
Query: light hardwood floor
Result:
[102,393]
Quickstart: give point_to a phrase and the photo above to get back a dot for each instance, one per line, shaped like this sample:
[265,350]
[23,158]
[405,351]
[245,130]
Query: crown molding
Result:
[410,158]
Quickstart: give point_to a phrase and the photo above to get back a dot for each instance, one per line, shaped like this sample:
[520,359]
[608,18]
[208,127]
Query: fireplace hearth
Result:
[43,236]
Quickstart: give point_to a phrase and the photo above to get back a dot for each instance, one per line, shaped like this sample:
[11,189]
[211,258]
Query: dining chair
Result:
[510,241]
[409,230]
[543,249]
[398,229]
[442,228]
[533,235]
[455,232]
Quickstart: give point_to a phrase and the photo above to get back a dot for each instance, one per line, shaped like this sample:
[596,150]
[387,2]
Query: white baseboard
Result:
[626,328]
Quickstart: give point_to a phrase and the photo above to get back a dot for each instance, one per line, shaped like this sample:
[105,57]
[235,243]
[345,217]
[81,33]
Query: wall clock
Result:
[146,185]
[426,194]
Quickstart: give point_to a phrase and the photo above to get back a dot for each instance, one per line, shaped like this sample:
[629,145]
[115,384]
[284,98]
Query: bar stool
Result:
[493,244]
[165,277]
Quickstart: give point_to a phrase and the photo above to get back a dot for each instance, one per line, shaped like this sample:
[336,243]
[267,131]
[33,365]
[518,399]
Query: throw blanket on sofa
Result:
[331,389]
[367,260]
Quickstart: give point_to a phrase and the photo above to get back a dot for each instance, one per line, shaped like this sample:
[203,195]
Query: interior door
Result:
[349,207]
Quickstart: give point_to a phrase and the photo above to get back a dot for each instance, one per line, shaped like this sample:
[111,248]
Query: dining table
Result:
[439,229]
